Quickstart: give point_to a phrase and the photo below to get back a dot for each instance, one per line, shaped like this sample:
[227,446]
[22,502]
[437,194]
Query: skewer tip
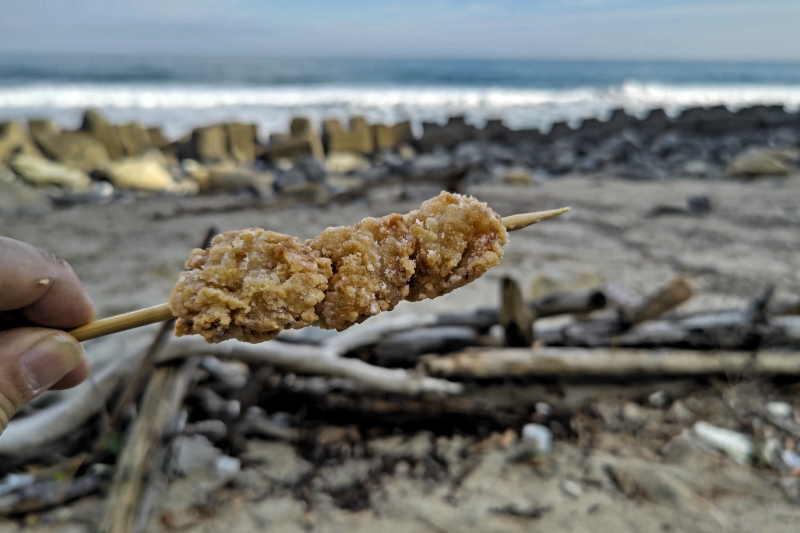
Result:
[523,220]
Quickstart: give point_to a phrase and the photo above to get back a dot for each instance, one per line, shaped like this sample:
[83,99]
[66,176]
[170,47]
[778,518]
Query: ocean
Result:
[179,93]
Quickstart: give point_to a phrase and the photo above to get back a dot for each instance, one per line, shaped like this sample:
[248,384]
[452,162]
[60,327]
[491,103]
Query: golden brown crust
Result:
[457,240]
[252,284]
[249,285]
[371,264]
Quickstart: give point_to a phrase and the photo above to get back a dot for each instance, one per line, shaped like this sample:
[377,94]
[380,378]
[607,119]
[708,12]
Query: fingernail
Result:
[49,360]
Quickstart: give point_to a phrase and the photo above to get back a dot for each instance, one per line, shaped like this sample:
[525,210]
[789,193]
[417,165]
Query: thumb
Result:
[31,361]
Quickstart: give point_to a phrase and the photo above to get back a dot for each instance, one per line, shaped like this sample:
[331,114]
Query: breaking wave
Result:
[178,108]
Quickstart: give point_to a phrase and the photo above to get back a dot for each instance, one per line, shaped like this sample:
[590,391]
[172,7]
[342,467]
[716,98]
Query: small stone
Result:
[780,409]
[279,462]
[406,151]
[397,446]
[658,399]
[226,466]
[791,459]
[680,413]
[571,488]
[193,454]
[631,412]
[543,409]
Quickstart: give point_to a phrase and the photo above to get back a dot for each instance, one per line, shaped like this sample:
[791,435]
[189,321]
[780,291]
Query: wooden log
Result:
[577,362]
[160,407]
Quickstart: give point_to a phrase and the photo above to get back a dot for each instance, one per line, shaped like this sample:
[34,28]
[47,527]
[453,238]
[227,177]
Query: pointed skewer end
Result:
[515,222]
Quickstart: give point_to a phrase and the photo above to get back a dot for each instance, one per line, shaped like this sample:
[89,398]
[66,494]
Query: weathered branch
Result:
[314,360]
[566,362]
[161,404]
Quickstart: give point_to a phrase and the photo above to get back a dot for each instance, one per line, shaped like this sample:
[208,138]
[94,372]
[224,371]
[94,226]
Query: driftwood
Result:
[576,362]
[666,299]
[728,330]
[515,317]
[564,303]
[314,360]
[160,406]
[402,349]
[54,423]
[372,332]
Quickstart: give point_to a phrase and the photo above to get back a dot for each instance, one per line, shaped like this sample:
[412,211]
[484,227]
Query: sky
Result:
[730,30]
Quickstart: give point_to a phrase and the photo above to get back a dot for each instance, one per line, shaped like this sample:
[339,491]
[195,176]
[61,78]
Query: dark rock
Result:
[495,130]
[656,122]
[589,164]
[448,136]
[432,162]
[621,146]
[699,204]
[670,143]
[531,135]
[558,130]
[562,158]
[595,130]
[288,179]
[312,169]
[469,153]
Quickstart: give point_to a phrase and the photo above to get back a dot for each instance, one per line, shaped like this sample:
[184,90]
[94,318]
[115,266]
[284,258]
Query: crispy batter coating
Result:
[252,284]
[371,267]
[457,240]
[249,285]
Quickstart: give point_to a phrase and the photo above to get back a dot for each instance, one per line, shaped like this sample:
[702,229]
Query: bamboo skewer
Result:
[160,313]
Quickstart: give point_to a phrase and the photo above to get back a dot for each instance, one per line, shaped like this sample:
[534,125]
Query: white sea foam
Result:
[177,108]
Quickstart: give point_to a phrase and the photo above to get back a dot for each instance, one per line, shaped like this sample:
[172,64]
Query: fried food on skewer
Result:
[252,284]
[249,285]
[457,240]
[372,265]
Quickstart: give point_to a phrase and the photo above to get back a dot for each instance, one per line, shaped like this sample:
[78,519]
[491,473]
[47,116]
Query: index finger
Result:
[42,287]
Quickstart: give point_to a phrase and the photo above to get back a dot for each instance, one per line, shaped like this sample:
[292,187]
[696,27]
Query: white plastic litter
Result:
[734,445]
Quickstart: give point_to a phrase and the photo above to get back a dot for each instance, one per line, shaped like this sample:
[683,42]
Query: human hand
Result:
[38,291]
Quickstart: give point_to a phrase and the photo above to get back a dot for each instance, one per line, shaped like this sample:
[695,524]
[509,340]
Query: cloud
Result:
[633,29]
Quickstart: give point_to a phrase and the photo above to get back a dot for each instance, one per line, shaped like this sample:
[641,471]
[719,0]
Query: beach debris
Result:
[779,409]
[572,488]
[536,440]
[734,445]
